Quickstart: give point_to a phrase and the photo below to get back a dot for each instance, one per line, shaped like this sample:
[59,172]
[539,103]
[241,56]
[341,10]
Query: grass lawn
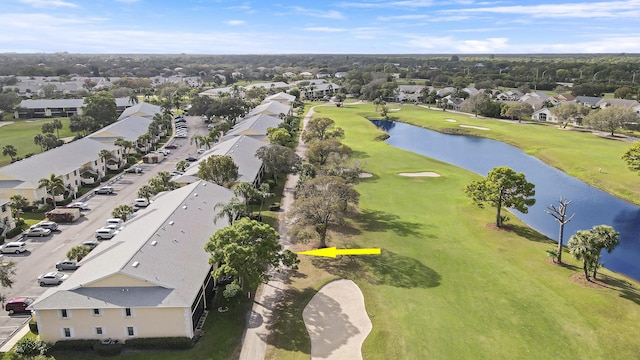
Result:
[20,134]
[446,286]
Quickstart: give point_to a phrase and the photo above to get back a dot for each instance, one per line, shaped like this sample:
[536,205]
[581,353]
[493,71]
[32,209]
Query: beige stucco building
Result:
[153,279]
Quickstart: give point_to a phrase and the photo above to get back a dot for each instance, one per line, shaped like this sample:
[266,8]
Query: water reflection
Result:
[592,206]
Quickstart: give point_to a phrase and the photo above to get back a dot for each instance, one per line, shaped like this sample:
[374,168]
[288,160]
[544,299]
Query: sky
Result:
[320,27]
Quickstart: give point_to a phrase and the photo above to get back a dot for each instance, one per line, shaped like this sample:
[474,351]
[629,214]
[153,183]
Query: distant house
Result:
[409,93]
[152,280]
[588,101]
[46,108]
[544,114]
[631,104]
[340,74]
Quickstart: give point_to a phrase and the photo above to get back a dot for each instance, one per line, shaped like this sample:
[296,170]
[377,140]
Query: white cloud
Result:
[325,29]
[325,14]
[613,9]
[48,3]
[388,4]
[235,22]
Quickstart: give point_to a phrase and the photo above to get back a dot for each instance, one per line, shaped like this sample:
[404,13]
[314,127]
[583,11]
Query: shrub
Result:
[33,326]
[107,349]
[168,343]
[14,232]
[79,344]
[382,137]
[32,347]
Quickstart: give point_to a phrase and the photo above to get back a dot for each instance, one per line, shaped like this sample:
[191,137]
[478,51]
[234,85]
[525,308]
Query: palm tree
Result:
[18,203]
[196,139]
[39,140]
[133,99]
[122,211]
[146,191]
[182,165]
[232,210]
[52,184]
[105,155]
[263,194]
[57,124]
[77,253]
[247,192]
[11,151]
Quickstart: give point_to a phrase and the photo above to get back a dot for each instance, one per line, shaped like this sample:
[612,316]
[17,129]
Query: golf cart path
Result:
[337,321]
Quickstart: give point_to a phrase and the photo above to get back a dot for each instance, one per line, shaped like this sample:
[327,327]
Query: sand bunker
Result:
[450,120]
[474,127]
[419,174]
[365,175]
[395,109]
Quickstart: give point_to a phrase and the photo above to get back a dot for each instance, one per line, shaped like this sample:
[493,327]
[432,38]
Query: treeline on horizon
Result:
[537,71]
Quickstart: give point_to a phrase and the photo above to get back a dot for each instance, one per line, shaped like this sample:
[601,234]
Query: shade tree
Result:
[219,169]
[502,188]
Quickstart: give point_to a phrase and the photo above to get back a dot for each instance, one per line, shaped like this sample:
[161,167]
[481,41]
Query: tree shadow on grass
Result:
[380,221]
[626,289]
[287,330]
[528,233]
[388,268]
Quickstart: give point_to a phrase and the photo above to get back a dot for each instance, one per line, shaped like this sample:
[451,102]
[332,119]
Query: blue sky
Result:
[328,26]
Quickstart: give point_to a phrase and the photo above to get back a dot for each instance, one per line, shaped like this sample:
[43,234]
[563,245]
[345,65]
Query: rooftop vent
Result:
[154,243]
[171,222]
[184,207]
[135,264]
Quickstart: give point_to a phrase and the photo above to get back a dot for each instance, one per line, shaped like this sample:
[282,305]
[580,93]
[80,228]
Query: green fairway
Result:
[446,286]
[20,134]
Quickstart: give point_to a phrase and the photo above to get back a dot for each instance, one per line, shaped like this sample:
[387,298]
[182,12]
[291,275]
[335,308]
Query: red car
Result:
[16,305]
[171,146]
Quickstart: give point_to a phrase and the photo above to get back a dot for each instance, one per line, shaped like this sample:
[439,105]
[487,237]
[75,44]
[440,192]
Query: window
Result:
[97,312]
[66,332]
[4,208]
[128,312]
[64,313]
[99,330]
[130,331]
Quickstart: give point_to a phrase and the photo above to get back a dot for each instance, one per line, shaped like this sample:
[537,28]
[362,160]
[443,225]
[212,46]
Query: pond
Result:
[590,205]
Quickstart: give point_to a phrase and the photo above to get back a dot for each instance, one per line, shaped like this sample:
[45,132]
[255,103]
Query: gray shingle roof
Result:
[255,125]
[141,109]
[270,108]
[129,128]
[242,150]
[61,160]
[162,248]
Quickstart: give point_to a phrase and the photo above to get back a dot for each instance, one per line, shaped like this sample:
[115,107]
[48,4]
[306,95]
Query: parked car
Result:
[171,146]
[119,223]
[51,225]
[141,202]
[67,265]
[104,190]
[91,244]
[79,205]
[38,231]
[105,233]
[18,305]
[176,173]
[52,278]
[14,247]
[191,159]
[201,151]
[134,170]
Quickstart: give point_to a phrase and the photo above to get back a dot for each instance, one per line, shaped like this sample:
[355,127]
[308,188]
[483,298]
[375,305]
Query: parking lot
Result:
[43,252]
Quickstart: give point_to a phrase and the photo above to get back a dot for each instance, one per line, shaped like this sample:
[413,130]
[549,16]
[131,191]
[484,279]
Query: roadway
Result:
[43,253]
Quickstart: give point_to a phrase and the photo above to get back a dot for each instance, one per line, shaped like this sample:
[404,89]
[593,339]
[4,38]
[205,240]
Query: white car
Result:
[105,233]
[14,247]
[38,231]
[79,205]
[52,278]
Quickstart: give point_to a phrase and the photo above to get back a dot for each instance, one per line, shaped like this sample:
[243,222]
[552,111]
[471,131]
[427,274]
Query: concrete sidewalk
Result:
[15,337]
[254,345]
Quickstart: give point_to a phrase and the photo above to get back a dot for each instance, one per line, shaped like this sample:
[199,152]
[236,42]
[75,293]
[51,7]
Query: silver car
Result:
[38,231]
[67,265]
[52,278]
